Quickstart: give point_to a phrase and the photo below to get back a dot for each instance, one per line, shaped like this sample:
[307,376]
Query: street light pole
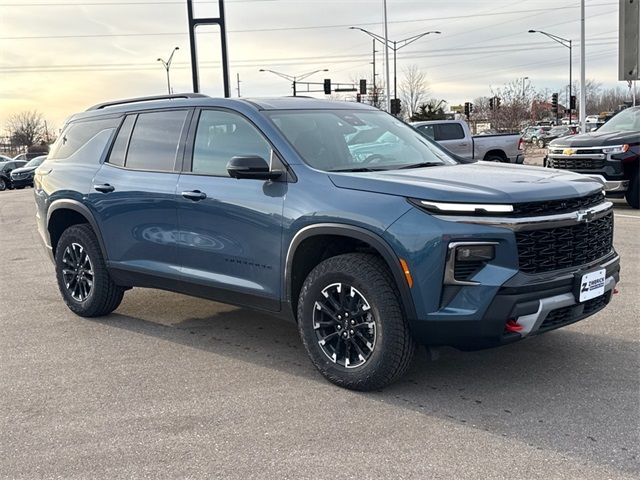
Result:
[523,79]
[167,66]
[386,57]
[294,79]
[393,45]
[568,44]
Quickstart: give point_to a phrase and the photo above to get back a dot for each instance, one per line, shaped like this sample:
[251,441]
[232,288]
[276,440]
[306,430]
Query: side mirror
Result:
[251,166]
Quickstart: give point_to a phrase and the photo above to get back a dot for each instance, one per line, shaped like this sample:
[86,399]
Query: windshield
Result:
[356,140]
[626,121]
[35,162]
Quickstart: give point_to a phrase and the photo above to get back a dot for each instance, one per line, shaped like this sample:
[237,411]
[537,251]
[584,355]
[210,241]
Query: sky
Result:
[61,56]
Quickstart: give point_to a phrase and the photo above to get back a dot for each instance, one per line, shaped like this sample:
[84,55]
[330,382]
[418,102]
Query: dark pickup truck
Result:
[610,154]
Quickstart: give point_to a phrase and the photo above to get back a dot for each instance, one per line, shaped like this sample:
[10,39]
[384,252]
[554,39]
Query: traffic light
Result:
[554,103]
[396,106]
[363,87]
[491,104]
[572,102]
[497,102]
[359,97]
[327,86]
[468,108]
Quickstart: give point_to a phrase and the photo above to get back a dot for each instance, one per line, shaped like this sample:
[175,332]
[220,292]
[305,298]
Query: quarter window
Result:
[155,140]
[221,136]
[76,135]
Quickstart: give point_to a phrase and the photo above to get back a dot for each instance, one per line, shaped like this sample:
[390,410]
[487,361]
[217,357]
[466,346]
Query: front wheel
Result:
[352,324]
[633,194]
[540,143]
[3,185]
[83,279]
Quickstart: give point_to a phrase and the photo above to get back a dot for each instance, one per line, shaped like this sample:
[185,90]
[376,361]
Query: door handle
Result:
[104,188]
[195,195]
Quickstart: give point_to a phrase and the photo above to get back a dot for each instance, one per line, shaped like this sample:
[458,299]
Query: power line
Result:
[279,29]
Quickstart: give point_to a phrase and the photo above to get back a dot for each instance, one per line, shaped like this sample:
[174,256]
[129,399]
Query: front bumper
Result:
[22,182]
[538,303]
[612,186]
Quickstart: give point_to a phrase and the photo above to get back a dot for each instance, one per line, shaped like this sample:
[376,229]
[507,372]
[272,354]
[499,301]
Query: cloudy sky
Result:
[61,56]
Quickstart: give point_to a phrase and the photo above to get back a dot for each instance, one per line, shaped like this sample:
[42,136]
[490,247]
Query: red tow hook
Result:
[616,291]
[512,326]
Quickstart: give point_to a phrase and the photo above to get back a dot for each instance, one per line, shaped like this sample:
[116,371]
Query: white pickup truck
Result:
[455,136]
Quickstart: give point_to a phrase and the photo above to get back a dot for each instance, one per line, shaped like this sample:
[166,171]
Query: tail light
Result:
[521,144]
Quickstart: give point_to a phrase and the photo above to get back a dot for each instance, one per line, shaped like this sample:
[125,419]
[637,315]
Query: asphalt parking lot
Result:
[172,386]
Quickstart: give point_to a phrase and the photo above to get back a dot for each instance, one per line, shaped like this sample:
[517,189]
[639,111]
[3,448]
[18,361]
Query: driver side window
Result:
[221,136]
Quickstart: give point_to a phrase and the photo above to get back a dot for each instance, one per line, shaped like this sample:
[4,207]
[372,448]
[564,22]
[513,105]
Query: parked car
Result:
[610,154]
[556,132]
[283,205]
[23,176]
[5,173]
[25,157]
[531,134]
[455,136]
[4,158]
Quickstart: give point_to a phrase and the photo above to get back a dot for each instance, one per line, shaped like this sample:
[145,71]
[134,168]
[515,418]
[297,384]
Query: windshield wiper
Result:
[420,165]
[357,169]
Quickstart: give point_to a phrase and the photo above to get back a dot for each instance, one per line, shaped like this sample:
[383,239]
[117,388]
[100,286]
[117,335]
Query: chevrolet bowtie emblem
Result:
[568,151]
[585,216]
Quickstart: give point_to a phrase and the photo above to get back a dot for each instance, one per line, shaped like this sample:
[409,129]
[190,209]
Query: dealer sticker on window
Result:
[592,285]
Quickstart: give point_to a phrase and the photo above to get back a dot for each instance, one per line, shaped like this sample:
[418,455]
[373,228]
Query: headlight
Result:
[616,149]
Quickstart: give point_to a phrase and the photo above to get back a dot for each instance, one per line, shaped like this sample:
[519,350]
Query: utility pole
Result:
[375,92]
[523,79]
[238,80]
[386,57]
[583,82]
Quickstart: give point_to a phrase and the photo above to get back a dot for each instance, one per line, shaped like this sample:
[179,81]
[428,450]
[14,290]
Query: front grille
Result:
[552,207]
[566,315]
[563,247]
[576,163]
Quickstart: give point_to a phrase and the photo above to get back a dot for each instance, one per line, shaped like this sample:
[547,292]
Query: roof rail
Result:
[100,106]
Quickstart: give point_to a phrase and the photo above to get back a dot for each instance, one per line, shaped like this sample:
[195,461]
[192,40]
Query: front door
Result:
[230,231]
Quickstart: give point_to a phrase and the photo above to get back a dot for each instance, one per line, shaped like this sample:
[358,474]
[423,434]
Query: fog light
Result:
[475,253]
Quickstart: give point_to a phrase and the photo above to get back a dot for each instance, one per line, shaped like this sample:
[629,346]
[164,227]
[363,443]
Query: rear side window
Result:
[76,135]
[119,150]
[155,140]
[449,131]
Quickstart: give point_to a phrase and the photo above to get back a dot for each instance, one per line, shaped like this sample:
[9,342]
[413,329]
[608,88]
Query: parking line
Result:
[626,216]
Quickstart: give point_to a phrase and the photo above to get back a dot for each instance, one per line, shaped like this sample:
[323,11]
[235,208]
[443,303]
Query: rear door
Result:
[451,136]
[133,195]
[230,230]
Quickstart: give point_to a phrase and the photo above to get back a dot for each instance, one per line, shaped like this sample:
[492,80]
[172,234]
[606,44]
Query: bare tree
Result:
[26,129]
[413,90]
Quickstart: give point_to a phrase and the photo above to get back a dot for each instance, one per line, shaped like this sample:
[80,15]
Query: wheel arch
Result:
[65,213]
[349,233]
[496,152]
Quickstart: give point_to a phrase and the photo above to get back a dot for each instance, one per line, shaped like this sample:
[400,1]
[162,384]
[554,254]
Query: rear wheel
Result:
[352,324]
[540,143]
[83,279]
[633,194]
[494,158]
[3,185]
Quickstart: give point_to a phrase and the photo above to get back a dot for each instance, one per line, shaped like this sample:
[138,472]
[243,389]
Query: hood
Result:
[596,139]
[481,182]
[23,170]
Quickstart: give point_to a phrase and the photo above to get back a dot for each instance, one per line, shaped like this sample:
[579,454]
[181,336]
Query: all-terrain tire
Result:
[104,295]
[393,345]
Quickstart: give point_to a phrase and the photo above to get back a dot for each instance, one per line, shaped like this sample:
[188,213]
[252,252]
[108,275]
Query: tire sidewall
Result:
[307,332]
[70,236]
[3,185]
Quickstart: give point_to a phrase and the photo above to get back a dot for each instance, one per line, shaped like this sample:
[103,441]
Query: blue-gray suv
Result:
[336,215]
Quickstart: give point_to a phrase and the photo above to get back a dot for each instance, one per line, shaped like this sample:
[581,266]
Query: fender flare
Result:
[76,206]
[358,233]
